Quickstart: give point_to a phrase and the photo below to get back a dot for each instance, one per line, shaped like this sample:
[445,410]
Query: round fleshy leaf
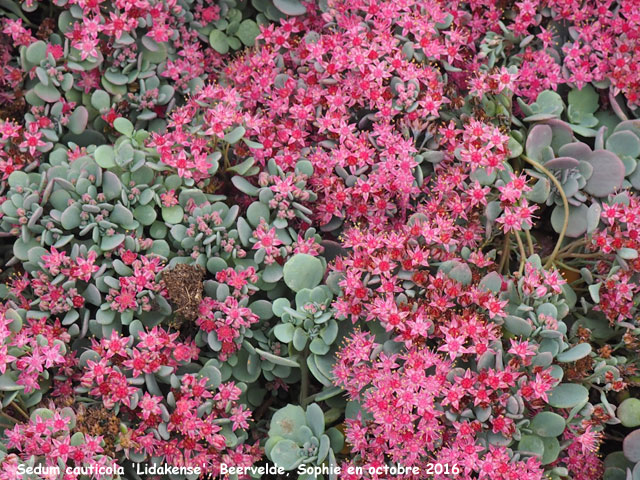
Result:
[631,446]
[262,308]
[8,383]
[549,101]
[216,264]
[305,167]
[244,186]
[247,32]
[279,305]
[540,191]
[235,135]
[518,325]
[121,215]
[547,106]
[531,445]
[18,179]
[245,370]
[330,332]
[109,243]
[593,217]
[318,347]
[213,375]
[539,138]
[562,133]
[629,412]
[315,419]
[548,424]
[256,212]
[608,173]
[287,421]
[551,450]
[303,271]
[461,273]
[285,454]
[615,473]
[585,169]
[562,163]
[145,214]
[36,52]
[574,354]
[617,459]
[577,150]
[577,220]
[584,100]
[272,273]
[105,156]
[111,185]
[100,100]
[300,338]
[568,395]
[48,93]
[492,282]
[78,120]
[284,332]
[42,413]
[624,143]
[290,7]
[513,146]
[70,218]
[218,41]
[629,125]
[173,214]
[124,126]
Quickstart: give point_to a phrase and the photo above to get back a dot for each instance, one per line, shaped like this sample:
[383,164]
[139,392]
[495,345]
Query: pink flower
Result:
[5,359]
[589,440]
[522,349]
[149,405]
[32,141]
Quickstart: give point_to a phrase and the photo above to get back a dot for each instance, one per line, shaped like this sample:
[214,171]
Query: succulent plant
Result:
[405,94]
[587,175]
[298,437]
[540,320]
[275,10]
[231,32]
[311,327]
[625,464]
[238,24]
[76,200]
[188,215]
[548,105]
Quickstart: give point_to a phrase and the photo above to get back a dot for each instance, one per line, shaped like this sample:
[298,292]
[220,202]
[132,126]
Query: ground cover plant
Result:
[348,238]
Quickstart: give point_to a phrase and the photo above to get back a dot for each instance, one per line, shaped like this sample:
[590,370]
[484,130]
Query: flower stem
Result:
[567,267]
[20,410]
[304,378]
[581,255]
[523,254]
[565,204]
[505,253]
[573,245]
[567,249]
[529,242]
[8,417]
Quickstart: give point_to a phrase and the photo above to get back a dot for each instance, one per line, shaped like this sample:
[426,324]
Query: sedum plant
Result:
[357,235]
[297,436]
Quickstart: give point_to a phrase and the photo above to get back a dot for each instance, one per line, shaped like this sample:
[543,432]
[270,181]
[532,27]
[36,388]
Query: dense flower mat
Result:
[351,239]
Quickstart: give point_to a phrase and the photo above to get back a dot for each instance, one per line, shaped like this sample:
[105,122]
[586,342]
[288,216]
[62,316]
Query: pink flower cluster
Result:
[621,234]
[134,290]
[36,347]
[403,394]
[50,439]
